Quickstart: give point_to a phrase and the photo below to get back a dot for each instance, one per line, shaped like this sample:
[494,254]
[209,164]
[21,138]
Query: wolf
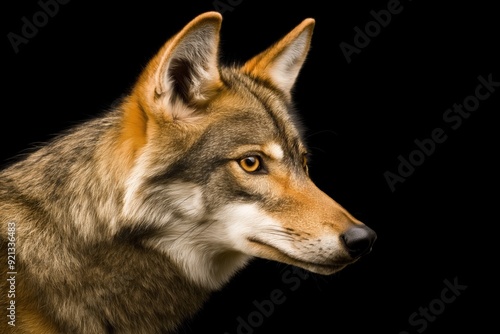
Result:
[128,222]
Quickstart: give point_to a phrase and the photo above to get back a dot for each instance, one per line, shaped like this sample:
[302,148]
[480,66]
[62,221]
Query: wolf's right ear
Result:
[184,73]
[280,64]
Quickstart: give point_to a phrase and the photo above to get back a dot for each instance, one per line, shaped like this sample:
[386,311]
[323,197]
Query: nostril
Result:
[358,240]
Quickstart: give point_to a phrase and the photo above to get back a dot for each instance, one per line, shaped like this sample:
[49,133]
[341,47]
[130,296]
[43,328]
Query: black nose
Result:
[358,240]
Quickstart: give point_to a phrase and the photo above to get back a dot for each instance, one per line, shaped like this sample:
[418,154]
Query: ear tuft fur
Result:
[184,73]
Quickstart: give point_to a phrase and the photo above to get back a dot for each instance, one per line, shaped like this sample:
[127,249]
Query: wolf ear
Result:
[280,64]
[184,73]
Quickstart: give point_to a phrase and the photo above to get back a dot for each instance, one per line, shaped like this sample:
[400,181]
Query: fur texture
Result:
[126,223]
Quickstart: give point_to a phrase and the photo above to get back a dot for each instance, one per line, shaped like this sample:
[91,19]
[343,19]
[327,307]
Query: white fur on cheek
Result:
[243,221]
[212,250]
[186,198]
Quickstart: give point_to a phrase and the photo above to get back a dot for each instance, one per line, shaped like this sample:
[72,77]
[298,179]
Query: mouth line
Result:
[299,262]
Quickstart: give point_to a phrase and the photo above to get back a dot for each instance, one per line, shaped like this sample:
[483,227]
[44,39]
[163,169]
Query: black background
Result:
[439,224]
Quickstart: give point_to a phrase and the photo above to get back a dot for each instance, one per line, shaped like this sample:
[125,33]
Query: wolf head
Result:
[216,164]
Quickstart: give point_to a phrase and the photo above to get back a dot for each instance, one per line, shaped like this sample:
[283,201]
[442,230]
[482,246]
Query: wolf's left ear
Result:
[280,64]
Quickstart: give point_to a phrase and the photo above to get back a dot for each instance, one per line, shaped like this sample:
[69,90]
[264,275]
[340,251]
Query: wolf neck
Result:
[206,267]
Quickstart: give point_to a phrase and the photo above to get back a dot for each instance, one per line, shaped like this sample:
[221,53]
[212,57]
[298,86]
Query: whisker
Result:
[321,132]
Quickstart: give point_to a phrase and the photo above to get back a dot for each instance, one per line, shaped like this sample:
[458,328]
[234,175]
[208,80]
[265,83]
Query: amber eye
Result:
[251,164]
